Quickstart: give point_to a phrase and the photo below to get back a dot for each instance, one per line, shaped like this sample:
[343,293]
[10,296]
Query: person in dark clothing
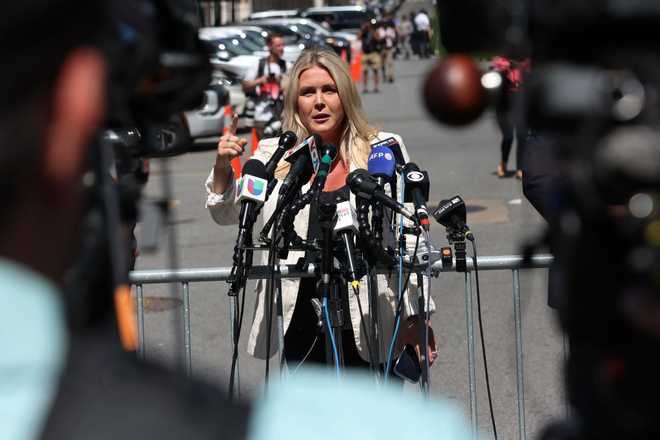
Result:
[542,186]
[510,124]
[371,58]
[61,382]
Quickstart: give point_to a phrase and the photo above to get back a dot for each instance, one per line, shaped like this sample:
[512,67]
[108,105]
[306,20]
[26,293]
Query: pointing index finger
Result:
[234,124]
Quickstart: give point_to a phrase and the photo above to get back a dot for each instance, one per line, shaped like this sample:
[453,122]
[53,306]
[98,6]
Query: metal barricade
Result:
[485,263]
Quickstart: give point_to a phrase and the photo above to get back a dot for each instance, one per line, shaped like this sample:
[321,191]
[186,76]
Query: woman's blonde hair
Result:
[354,144]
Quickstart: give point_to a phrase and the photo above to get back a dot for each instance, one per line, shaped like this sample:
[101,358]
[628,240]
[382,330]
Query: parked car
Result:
[307,26]
[228,53]
[291,37]
[254,38]
[274,13]
[208,119]
[340,17]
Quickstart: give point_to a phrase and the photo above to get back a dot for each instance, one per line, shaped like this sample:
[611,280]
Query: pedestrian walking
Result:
[389,37]
[423,33]
[371,58]
[510,125]
[405,30]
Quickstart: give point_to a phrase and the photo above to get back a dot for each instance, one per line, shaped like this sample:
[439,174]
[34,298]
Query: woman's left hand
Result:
[411,334]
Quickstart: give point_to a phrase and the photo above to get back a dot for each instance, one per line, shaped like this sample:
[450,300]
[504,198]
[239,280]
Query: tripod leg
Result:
[423,352]
[372,290]
[280,326]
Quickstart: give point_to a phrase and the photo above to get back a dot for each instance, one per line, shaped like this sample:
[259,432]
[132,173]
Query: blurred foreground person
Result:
[55,381]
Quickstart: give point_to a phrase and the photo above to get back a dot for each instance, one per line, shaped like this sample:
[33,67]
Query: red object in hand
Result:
[453,92]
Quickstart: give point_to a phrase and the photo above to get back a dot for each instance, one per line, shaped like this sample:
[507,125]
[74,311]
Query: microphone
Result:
[381,165]
[328,155]
[417,187]
[452,214]
[394,147]
[346,226]
[365,186]
[287,140]
[305,161]
[251,193]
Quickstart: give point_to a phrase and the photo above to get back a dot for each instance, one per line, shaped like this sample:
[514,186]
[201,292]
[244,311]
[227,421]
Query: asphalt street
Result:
[459,162]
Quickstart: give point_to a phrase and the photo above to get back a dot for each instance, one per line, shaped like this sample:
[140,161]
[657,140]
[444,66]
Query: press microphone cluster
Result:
[304,160]
[328,156]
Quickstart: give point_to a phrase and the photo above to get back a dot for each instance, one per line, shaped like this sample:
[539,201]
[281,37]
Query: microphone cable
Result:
[331,333]
[397,317]
[302,361]
[470,237]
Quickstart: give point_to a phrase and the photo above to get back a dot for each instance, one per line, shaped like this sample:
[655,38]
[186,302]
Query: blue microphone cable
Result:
[331,332]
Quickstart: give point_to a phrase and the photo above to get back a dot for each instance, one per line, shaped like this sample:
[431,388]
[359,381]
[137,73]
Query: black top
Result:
[369,42]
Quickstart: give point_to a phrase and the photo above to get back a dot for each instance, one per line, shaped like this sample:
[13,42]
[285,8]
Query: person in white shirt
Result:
[265,82]
[423,33]
[389,37]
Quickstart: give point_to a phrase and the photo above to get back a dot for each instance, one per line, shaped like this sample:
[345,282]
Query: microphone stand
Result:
[275,278]
[372,294]
[270,296]
[328,287]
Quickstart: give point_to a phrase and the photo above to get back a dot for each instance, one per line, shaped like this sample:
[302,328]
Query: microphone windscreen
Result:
[256,168]
[381,162]
[252,184]
[288,140]
[330,150]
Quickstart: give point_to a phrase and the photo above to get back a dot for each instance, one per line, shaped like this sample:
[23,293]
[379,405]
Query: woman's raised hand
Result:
[229,147]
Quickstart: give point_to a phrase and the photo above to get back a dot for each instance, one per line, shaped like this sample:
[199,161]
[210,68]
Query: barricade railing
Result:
[514,263]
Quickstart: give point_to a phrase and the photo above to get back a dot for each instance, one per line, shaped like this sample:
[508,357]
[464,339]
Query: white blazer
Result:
[224,211]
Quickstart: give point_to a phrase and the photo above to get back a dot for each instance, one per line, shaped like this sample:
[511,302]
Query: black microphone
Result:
[328,155]
[251,193]
[417,188]
[394,147]
[346,226]
[381,165]
[305,161]
[286,142]
[364,185]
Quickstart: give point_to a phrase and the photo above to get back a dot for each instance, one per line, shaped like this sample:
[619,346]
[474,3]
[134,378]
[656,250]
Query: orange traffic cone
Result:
[255,141]
[356,67]
[235,162]
[125,310]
